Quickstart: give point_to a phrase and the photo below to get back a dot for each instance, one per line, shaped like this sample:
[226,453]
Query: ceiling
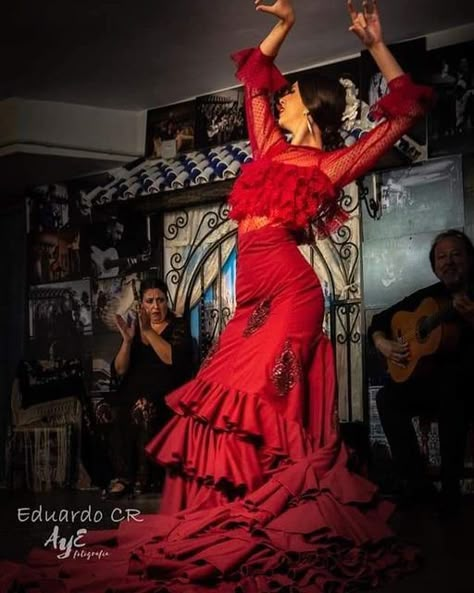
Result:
[146,53]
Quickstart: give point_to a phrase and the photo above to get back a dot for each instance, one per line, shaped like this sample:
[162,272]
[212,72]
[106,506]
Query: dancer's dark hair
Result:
[325,100]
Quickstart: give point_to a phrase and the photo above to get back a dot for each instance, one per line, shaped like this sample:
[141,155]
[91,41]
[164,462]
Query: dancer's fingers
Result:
[352,11]
[368,7]
[362,20]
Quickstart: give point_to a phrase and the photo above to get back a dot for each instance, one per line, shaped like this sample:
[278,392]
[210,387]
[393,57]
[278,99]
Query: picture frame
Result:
[220,118]
[450,72]
[170,130]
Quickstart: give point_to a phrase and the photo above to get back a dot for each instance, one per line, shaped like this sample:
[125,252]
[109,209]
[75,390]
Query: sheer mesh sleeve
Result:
[401,107]
[260,77]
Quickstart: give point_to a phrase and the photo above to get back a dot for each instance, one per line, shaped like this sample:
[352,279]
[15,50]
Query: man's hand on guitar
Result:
[398,352]
[127,330]
[465,307]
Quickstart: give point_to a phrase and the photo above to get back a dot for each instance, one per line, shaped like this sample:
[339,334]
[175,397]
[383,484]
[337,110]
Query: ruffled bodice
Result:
[287,194]
[299,185]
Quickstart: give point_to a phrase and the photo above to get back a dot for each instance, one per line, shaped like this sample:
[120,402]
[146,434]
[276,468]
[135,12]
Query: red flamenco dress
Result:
[258,496]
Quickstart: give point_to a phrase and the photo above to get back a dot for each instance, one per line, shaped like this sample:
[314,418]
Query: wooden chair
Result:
[42,449]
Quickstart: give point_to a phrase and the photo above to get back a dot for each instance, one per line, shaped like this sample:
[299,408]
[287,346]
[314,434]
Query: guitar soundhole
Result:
[422,330]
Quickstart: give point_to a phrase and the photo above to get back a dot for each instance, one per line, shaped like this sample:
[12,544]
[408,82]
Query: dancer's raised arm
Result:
[256,70]
[405,103]
[283,11]
[366,25]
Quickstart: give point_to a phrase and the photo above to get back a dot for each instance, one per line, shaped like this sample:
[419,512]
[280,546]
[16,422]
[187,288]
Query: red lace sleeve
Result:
[401,107]
[260,77]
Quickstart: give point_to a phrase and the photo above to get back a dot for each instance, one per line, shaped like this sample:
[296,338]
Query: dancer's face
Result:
[156,305]
[291,109]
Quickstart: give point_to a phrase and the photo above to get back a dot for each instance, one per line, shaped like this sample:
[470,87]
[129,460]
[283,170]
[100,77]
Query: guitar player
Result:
[445,390]
[107,249]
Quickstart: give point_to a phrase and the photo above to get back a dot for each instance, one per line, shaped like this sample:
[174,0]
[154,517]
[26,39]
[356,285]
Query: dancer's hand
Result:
[281,9]
[366,24]
[127,330]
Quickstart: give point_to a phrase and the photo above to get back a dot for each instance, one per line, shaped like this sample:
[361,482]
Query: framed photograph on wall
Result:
[120,244]
[47,208]
[468,178]
[220,118]
[170,130]
[112,297]
[56,256]
[62,309]
[48,380]
[451,121]
[412,56]
[87,192]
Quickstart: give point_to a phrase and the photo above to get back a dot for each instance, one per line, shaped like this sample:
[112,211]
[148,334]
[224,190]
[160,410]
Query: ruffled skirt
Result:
[265,396]
[258,497]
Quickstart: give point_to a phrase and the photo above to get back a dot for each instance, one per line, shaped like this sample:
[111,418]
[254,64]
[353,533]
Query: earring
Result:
[308,122]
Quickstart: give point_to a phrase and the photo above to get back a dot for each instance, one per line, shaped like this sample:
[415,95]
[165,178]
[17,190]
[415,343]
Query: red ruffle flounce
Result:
[299,195]
[405,99]
[300,532]
[258,71]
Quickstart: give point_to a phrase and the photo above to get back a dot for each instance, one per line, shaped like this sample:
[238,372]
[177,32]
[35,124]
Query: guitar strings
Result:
[438,316]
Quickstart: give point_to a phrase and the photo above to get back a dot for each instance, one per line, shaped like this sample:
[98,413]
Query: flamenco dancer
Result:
[258,497]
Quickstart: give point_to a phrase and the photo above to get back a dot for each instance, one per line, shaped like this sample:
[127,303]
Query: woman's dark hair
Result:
[454,234]
[153,283]
[325,100]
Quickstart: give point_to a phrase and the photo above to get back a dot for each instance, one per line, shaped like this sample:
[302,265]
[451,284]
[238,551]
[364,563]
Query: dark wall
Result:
[12,308]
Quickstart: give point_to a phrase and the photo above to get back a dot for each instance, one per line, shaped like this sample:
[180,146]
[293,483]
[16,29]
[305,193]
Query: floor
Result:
[447,547]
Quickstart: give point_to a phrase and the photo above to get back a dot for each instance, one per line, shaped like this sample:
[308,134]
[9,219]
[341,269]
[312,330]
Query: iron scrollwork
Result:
[347,315]
[209,222]
[372,203]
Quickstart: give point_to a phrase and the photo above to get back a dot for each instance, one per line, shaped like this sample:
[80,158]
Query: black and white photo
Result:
[47,208]
[451,121]
[62,310]
[120,245]
[220,118]
[112,297]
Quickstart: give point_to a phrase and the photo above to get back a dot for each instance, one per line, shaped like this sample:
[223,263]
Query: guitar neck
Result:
[113,263]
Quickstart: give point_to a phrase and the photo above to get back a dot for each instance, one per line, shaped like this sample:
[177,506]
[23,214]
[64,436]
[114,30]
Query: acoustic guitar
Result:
[430,329]
[106,263]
